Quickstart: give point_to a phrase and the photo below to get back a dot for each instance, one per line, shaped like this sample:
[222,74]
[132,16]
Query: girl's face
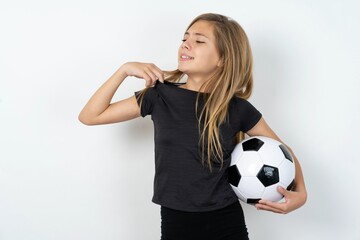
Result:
[198,56]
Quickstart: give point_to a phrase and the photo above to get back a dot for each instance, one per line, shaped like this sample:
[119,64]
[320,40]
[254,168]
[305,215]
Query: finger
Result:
[269,208]
[161,76]
[157,71]
[148,83]
[147,78]
[276,205]
[151,73]
[152,76]
[283,191]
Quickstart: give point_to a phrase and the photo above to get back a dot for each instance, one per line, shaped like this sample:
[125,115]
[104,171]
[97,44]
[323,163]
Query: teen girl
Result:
[196,127]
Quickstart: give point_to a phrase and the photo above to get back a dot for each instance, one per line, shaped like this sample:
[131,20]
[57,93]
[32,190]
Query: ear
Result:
[220,63]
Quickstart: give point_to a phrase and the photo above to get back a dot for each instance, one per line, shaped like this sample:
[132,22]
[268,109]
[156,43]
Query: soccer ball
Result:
[258,166]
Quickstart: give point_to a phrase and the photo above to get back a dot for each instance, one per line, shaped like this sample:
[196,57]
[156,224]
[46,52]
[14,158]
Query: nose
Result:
[186,45]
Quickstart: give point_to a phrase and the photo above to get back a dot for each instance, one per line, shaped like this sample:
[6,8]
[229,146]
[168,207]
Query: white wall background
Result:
[62,180]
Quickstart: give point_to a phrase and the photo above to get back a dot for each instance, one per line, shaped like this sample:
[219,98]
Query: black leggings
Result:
[223,224]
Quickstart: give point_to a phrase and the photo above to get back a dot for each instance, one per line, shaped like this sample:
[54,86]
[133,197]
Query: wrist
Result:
[122,71]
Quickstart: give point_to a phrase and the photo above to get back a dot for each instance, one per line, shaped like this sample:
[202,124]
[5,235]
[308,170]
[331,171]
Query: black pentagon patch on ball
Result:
[234,175]
[253,144]
[253,200]
[268,175]
[286,152]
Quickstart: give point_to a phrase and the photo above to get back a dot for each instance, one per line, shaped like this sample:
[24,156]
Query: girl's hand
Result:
[147,71]
[293,200]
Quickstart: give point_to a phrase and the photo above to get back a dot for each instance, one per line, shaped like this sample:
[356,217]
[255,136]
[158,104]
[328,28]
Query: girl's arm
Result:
[293,199]
[100,110]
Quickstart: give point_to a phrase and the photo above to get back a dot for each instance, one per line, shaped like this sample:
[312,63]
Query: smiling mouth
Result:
[186,57]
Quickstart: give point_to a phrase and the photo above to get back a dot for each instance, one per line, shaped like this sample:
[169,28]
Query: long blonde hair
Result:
[233,78]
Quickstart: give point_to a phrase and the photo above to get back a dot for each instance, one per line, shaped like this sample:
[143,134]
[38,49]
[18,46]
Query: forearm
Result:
[101,99]
[299,183]
[299,178]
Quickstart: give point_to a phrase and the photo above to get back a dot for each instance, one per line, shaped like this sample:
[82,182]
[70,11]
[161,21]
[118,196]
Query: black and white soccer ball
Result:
[258,166]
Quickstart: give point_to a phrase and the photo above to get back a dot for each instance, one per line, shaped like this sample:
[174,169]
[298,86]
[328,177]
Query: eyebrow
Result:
[197,34]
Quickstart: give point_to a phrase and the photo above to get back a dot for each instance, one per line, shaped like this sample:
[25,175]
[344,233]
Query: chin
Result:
[182,69]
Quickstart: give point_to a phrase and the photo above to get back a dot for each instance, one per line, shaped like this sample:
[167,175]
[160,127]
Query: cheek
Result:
[212,58]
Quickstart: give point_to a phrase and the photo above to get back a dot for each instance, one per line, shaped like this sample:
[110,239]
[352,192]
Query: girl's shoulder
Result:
[241,104]
[239,100]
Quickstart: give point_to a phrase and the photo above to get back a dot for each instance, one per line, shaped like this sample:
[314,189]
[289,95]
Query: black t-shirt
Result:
[182,181]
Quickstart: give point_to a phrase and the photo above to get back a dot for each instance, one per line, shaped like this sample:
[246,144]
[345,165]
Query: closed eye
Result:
[184,40]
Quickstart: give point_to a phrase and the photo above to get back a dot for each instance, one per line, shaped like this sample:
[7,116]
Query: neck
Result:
[194,84]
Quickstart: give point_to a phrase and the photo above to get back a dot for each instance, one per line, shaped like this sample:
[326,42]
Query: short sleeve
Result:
[248,115]
[146,100]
